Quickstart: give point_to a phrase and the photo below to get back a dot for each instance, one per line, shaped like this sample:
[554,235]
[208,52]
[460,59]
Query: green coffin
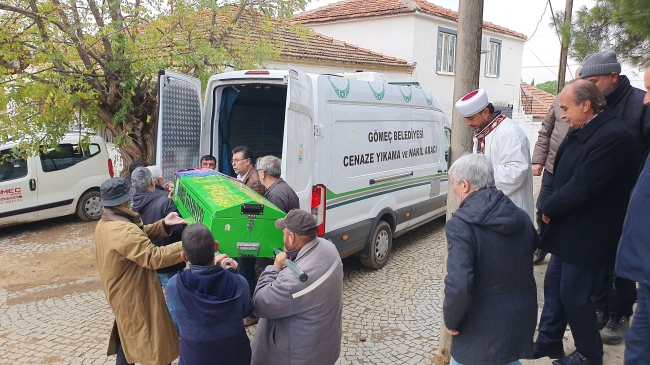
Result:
[239,218]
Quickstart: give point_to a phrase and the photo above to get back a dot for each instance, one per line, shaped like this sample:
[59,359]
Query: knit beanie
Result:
[601,63]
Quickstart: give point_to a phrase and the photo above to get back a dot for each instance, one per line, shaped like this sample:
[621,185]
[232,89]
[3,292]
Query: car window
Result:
[67,155]
[11,166]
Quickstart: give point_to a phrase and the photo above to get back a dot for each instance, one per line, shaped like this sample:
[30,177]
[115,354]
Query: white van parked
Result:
[367,158]
[57,182]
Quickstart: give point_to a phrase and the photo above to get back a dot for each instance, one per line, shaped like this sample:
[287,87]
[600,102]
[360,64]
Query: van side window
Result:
[67,155]
[447,144]
[11,166]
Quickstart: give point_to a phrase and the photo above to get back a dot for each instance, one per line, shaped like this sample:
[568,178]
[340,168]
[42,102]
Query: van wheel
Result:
[89,207]
[380,245]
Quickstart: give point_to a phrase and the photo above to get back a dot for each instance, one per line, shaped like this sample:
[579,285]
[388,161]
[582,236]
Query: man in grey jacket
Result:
[278,192]
[300,322]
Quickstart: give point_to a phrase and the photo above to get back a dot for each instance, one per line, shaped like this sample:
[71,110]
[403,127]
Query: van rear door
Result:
[298,141]
[180,119]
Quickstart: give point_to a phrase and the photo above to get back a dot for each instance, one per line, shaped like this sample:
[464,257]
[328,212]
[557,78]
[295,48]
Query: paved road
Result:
[390,315]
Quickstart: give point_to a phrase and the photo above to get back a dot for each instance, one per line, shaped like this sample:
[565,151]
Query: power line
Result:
[540,20]
[557,31]
[540,61]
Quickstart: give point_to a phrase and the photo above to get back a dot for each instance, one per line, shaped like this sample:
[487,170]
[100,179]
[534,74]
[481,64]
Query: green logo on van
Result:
[429,101]
[406,98]
[340,93]
[378,96]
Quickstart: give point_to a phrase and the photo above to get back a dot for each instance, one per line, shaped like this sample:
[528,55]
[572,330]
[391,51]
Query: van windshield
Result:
[250,115]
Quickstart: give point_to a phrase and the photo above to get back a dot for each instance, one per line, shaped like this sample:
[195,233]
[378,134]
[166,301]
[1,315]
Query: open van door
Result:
[178,138]
[298,141]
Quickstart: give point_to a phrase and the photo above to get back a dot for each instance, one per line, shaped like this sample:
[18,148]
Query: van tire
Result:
[89,206]
[380,243]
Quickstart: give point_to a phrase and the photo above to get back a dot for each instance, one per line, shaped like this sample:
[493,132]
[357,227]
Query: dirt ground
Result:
[38,255]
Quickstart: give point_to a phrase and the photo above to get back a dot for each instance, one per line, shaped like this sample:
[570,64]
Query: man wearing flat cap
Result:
[617,295]
[143,330]
[498,137]
[300,322]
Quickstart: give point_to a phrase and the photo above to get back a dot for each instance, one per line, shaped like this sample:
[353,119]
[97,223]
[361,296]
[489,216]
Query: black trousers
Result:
[246,268]
[567,300]
[616,296]
[544,192]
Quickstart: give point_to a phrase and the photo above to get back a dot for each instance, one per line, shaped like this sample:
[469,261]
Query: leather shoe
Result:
[576,358]
[538,353]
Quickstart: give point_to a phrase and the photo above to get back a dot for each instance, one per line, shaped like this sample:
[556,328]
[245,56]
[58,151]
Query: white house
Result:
[424,34]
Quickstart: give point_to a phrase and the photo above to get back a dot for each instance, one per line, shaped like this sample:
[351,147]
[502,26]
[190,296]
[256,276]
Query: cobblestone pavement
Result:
[390,315]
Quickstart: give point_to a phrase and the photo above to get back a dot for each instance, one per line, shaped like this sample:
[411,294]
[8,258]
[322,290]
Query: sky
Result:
[541,55]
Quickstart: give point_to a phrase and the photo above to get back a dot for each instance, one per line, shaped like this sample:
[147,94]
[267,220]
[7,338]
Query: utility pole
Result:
[468,69]
[566,39]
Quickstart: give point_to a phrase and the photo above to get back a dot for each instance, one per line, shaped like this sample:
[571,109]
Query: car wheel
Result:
[380,243]
[89,207]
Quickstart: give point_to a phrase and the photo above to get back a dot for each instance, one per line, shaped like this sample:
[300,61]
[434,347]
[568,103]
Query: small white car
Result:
[55,183]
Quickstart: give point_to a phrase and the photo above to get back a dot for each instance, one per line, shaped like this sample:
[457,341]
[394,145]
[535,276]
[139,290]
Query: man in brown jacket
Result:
[143,330]
[551,135]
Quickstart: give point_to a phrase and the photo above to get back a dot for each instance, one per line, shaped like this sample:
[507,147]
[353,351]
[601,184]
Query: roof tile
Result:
[358,9]
[535,101]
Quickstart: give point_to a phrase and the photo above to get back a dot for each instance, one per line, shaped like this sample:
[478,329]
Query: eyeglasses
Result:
[235,160]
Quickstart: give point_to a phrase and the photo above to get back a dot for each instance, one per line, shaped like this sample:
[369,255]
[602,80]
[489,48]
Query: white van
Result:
[57,182]
[368,159]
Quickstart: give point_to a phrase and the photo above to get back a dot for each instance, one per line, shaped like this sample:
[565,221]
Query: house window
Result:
[493,59]
[446,56]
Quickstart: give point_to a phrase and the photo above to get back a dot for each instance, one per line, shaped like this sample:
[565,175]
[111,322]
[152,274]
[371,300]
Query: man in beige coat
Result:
[143,331]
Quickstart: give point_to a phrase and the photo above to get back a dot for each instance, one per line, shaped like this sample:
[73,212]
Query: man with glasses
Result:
[242,163]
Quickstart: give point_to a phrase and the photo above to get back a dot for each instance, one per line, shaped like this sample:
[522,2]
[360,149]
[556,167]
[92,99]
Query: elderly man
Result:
[127,260]
[632,257]
[278,192]
[208,162]
[210,303]
[242,164]
[300,322]
[498,137]
[595,170]
[490,305]
[152,207]
[156,175]
[617,295]
[551,134]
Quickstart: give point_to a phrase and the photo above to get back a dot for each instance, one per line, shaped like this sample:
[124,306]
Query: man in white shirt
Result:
[500,138]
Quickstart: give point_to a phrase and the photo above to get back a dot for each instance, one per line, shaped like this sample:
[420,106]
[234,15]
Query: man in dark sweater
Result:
[210,302]
[153,206]
[617,294]
[278,191]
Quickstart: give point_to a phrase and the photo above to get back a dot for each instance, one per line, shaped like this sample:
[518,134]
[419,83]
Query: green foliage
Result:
[621,26]
[548,86]
[95,63]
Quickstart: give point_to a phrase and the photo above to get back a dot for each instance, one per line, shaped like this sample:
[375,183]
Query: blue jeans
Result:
[164,278]
[637,345]
[454,362]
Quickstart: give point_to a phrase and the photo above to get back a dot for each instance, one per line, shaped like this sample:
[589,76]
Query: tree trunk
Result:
[468,66]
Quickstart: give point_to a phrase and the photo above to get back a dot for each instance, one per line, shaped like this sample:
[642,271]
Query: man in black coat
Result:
[632,256]
[617,294]
[490,305]
[152,205]
[595,169]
